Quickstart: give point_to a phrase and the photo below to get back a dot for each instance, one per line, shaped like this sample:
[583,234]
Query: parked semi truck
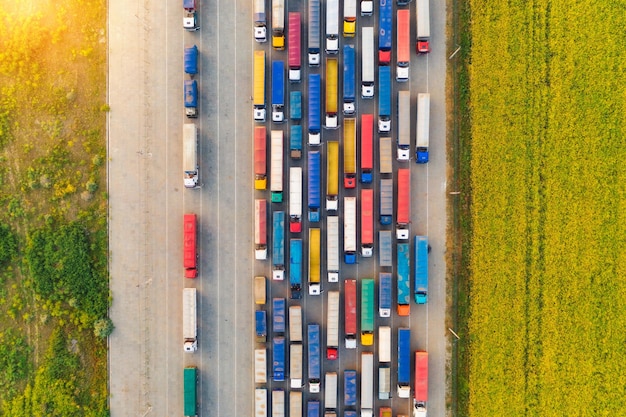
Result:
[350,313]
[349,18]
[349,388]
[332,326]
[278,315]
[384,32]
[423,128]
[314,109]
[367,312]
[349,153]
[384,98]
[384,362]
[367,222]
[191,60]
[260,293]
[367,7]
[190,245]
[295,324]
[295,365]
[295,141]
[404,280]
[295,109]
[421,269]
[332,176]
[384,294]
[260,21]
[278,91]
[367,384]
[190,320]
[190,20]
[260,158]
[349,80]
[260,402]
[314,191]
[423,27]
[404,362]
[260,366]
[276,167]
[294,43]
[314,357]
[191,98]
[259,86]
[278,359]
[260,325]
[330,391]
[421,384]
[385,257]
[278,243]
[314,262]
[295,404]
[331,93]
[403,217]
[278,402]
[260,229]
[385,164]
[349,230]
[191,168]
[367,62]
[278,24]
[404,125]
[386,201]
[367,148]
[295,199]
[314,33]
[403,55]
[313,408]
[332,248]
[190,380]
[332,26]
[295,269]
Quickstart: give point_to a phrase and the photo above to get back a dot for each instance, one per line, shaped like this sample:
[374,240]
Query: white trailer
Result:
[278,24]
[260,402]
[330,391]
[384,382]
[385,155]
[278,403]
[276,169]
[190,156]
[295,324]
[384,344]
[295,197]
[295,365]
[423,127]
[260,366]
[295,404]
[314,33]
[367,63]
[367,384]
[260,21]
[349,226]
[332,26]
[332,248]
[190,320]
[332,326]
[423,26]
[404,125]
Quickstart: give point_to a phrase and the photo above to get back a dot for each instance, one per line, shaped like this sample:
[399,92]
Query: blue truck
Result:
[315,370]
[384,294]
[421,269]
[295,105]
[278,91]
[315,118]
[313,408]
[191,98]
[295,268]
[191,60]
[384,99]
[260,326]
[349,80]
[384,32]
[278,315]
[315,192]
[349,388]
[404,279]
[278,243]
[278,359]
[404,362]
[295,141]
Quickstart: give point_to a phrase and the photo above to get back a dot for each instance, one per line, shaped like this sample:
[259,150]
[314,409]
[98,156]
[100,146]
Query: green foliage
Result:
[103,328]
[15,361]
[8,244]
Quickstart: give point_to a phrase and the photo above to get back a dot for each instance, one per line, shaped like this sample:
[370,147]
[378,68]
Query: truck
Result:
[294,42]
[349,153]
[295,269]
[313,408]
[259,86]
[421,384]
[404,281]
[349,388]
[367,62]
[384,362]
[404,124]
[278,246]
[190,380]
[190,156]
[349,18]
[260,229]
[260,325]
[367,312]
[295,324]
[190,21]
[421,269]
[350,313]
[190,90]
[385,257]
[295,404]
[386,201]
[331,92]
[260,366]
[190,320]
[295,141]
[403,55]
[260,287]
[278,24]
[403,216]
[384,98]
[330,391]
[190,245]
[332,248]
[367,148]
[314,194]
[332,26]
[384,382]
[332,176]
[278,91]
[367,384]
[314,33]
[295,365]
[332,326]
[385,412]
[260,402]
[278,315]
[276,167]
[404,362]
[260,158]
[314,262]
[367,222]
[384,294]
[423,27]
[349,230]
[278,361]
[295,106]
[260,21]
[295,199]
[386,166]
[349,77]
[384,32]
[423,133]
[314,109]
[314,357]
[191,60]
[278,402]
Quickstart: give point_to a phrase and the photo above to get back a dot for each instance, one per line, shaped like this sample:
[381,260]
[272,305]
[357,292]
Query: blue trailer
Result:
[349,80]
[404,362]
[315,118]
[278,362]
[349,413]
[349,388]
[260,326]
[295,103]
[278,91]
[278,315]
[384,99]
[384,294]
[384,32]
[191,60]
[191,98]
[404,279]
[295,141]
[278,242]
[315,193]
[313,408]
[421,269]
[314,357]
[295,268]
[385,256]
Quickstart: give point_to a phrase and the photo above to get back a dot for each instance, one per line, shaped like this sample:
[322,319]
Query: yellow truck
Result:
[349,153]
[259,86]
[314,261]
[332,177]
[331,93]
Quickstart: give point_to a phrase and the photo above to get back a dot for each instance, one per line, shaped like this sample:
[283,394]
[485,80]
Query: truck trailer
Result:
[295,199]
[384,32]
[260,158]
[386,201]
[295,141]
[294,43]
[278,402]
[332,248]
[260,229]
[385,164]
[314,33]
[404,362]
[278,24]
[367,384]
[332,26]
[190,90]
[314,109]
[260,21]
[384,294]
[278,359]
[295,110]
[190,320]
[349,230]
[404,280]
[278,246]
[190,245]
[295,269]
[403,55]
[330,391]
[260,366]
[191,60]
[191,168]
[367,148]
[367,62]
[332,327]
[278,315]
[349,80]
[384,98]
[421,269]
[404,124]
[260,402]
[260,326]
[332,176]
[314,357]
[276,166]
[423,27]
[314,262]
[350,313]
[260,293]
[403,216]
[295,404]
[349,153]
[423,133]
[349,388]
[314,187]
[331,93]
[367,222]
[278,91]
[367,312]
[384,362]
[421,384]
[295,324]
[259,86]
[385,256]
[190,381]
[295,365]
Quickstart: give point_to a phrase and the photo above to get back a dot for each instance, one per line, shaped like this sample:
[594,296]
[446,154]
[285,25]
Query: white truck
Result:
[276,168]
[190,156]
[260,366]
[367,384]
[260,402]
[332,26]
[190,320]
[367,63]
[332,248]
[404,125]
[349,18]
[423,133]
[278,24]
[295,199]
[367,7]
[332,326]
[423,26]
[260,21]
[295,365]
[349,230]
[330,392]
[384,362]
[278,402]
[295,324]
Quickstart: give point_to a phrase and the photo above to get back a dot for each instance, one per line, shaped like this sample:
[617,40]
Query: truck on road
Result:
[421,269]
[332,326]
[332,176]
[190,245]
[314,262]
[260,229]
[386,201]
[404,124]
[278,361]
[349,18]
[191,60]
[423,27]
[386,166]
[260,402]
[332,248]
[421,384]
[330,391]
[295,111]
[384,98]
[278,91]
[276,167]
[367,222]
[260,325]
[423,133]
[404,362]
[367,312]
[260,21]
[332,26]
[349,80]
[278,24]
[295,404]
[384,294]
[314,33]
[350,313]
[367,384]
[384,32]
[295,269]
[314,109]
[314,187]
[190,21]
[278,402]
[190,156]
[278,315]
[384,362]
[191,98]
[190,380]
[349,230]
[260,293]
[260,158]
[260,366]
[295,199]
[331,93]
[367,62]
[403,55]
[403,217]
[295,365]
[314,357]
[349,388]
[190,320]
[259,86]
[278,243]
[295,324]
[294,43]
[367,148]
[295,141]
[385,258]
[349,153]
[404,280]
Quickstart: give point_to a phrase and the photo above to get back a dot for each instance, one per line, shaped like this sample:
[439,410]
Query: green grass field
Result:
[547,313]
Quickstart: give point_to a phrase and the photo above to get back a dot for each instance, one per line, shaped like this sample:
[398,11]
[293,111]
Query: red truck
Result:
[190,249]
[350,313]
[421,384]
[404,204]
[367,145]
[367,223]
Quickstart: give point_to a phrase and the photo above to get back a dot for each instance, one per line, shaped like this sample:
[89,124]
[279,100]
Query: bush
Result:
[103,328]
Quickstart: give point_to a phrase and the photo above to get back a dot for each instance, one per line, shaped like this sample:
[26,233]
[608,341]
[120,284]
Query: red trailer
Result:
[350,313]
[260,229]
[421,383]
[367,222]
[367,144]
[260,155]
[404,49]
[190,251]
[293,44]
[404,204]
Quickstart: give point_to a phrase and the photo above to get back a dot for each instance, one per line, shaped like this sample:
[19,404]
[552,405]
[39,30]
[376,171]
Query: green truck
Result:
[190,379]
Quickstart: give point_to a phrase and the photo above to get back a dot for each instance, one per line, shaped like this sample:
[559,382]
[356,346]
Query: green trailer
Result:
[367,312]
[190,379]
